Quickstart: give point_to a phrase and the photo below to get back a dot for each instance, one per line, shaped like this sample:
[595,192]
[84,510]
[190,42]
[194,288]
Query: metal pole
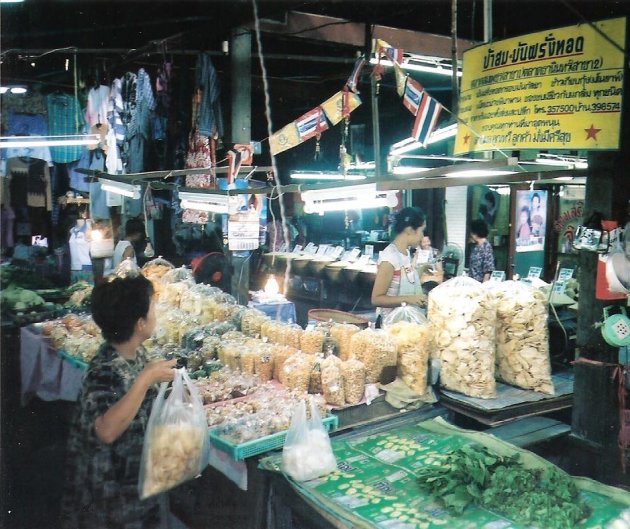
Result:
[487,20]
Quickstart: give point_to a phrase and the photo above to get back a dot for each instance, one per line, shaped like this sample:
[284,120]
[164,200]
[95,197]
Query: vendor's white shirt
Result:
[392,255]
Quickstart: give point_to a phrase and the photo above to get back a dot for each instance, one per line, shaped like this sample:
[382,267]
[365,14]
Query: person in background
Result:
[126,248]
[211,266]
[396,279]
[107,434]
[482,256]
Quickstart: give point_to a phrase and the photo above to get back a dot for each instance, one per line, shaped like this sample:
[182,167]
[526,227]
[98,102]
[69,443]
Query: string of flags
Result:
[414,97]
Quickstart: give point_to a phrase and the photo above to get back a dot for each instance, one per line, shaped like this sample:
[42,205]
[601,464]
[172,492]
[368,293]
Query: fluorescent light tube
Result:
[428,68]
[479,172]
[204,206]
[121,188]
[17,142]
[206,198]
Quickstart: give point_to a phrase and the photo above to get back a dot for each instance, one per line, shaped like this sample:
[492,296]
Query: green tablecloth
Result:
[375,485]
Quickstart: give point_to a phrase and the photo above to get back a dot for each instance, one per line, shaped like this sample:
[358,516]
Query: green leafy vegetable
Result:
[473,474]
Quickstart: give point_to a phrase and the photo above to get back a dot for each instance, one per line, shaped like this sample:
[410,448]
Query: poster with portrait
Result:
[531,218]
[570,212]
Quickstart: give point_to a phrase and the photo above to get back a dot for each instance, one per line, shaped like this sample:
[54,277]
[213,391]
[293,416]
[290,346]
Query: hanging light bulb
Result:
[271,286]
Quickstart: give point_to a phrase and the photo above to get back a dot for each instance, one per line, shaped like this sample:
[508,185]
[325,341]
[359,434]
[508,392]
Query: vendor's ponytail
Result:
[409,217]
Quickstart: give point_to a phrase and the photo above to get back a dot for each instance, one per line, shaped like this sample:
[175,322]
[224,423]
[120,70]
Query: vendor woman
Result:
[397,280]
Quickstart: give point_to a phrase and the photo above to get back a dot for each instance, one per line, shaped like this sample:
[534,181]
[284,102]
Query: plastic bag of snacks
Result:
[405,312]
[353,376]
[377,350]
[263,362]
[522,351]
[315,382]
[463,321]
[332,381]
[312,340]
[272,331]
[176,441]
[280,355]
[307,452]
[291,335]
[297,371]
[251,322]
[154,270]
[412,342]
[342,333]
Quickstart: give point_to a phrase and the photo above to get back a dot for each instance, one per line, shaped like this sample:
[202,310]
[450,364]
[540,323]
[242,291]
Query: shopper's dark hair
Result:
[409,217]
[134,227]
[489,196]
[479,228]
[117,305]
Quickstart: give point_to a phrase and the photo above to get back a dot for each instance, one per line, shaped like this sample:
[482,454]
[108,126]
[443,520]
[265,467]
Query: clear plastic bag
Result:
[176,441]
[307,452]
[127,268]
[463,321]
[405,312]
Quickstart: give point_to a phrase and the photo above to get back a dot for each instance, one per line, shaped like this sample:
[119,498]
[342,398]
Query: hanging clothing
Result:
[65,118]
[26,124]
[32,102]
[99,206]
[144,105]
[97,105]
[209,120]
[7,220]
[29,183]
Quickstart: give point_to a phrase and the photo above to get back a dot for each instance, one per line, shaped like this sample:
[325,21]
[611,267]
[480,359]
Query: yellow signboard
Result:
[558,89]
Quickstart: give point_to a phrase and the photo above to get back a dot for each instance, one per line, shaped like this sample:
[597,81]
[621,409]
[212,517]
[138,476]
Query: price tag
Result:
[534,272]
[322,249]
[364,259]
[559,287]
[284,247]
[565,274]
[337,252]
[369,250]
[354,254]
[297,249]
[310,248]
[497,275]
[243,234]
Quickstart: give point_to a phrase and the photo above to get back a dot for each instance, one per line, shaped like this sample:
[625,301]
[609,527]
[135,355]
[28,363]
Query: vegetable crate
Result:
[262,445]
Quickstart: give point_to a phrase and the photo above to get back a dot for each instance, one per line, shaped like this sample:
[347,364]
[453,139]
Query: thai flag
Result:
[426,119]
[311,124]
[413,95]
[393,54]
[353,81]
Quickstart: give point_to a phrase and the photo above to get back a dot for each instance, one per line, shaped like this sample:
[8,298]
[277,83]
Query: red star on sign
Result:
[466,138]
[592,132]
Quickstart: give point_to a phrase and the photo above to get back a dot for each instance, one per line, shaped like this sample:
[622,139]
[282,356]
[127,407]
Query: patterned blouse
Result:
[101,489]
[481,261]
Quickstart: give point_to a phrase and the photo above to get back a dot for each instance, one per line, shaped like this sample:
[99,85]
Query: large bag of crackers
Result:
[522,353]
[377,350]
[463,322]
[412,341]
[176,441]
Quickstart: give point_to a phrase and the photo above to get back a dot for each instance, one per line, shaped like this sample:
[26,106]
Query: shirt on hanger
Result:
[64,118]
[29,183]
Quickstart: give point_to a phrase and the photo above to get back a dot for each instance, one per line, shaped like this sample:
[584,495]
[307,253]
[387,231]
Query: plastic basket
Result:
[337,316]
[262,445]
[73,360]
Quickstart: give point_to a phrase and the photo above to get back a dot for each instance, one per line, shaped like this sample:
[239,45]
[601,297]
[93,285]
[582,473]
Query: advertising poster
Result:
[531,215]
[554,89]
[569,218]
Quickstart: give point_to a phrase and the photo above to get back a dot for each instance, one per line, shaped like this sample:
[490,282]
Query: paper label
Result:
[310,248]
[322,249]
[534,272]
[297,249]
[497,275]
[559,287]
[565,274]
[369,250]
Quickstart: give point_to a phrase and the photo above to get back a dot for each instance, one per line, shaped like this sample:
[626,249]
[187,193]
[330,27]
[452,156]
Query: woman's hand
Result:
[159,371]
[417,299]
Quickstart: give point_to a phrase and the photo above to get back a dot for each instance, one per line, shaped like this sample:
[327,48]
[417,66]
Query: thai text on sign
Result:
[557,89]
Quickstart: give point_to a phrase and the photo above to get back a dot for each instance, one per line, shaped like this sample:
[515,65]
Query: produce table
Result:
[376,485]
[44,373]
[512,403]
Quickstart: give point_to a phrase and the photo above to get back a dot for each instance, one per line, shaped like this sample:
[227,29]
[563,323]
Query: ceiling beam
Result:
[340,31]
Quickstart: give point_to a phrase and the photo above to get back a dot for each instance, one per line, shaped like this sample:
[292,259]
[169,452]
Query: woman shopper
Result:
[482,256]
[396,279]
[106,438]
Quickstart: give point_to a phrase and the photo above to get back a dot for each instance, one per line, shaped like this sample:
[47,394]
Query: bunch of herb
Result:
[474,474]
